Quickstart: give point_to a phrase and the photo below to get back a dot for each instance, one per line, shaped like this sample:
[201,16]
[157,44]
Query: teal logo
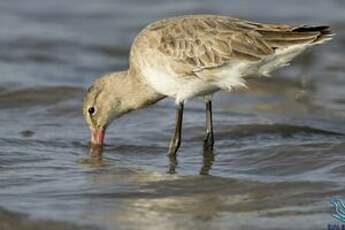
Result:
[339,206]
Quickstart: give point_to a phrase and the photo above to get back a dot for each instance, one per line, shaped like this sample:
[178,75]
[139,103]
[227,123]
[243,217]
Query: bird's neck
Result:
[135,92]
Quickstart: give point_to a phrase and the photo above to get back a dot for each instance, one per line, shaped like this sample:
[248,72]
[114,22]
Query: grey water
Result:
[280,145]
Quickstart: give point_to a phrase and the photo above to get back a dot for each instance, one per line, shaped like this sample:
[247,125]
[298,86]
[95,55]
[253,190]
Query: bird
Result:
[190,56]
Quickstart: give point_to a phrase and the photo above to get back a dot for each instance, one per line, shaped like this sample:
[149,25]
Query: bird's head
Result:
[112,96]
[101,105]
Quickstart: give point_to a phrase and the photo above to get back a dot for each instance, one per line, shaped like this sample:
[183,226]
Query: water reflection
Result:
[94,155]
[208,159]
[95,151]
[160,201]
[172,163]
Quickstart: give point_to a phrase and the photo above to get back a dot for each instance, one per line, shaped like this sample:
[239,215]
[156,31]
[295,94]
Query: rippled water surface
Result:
[280,146]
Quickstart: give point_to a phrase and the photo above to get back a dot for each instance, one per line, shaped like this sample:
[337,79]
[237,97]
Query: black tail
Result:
[325,32]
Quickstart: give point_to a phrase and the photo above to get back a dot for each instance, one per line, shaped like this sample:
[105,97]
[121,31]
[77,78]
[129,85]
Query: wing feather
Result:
[208,41]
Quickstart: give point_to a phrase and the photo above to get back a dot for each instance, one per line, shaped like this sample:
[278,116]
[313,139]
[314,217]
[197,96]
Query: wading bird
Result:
[190,56]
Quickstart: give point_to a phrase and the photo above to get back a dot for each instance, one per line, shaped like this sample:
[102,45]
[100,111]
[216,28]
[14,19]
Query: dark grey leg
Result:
[176,138]
[209,138]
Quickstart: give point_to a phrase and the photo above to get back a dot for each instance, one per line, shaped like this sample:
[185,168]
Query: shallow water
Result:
[279,153]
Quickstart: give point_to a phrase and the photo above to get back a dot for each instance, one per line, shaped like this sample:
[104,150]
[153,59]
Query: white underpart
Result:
[180,88]
[228,77]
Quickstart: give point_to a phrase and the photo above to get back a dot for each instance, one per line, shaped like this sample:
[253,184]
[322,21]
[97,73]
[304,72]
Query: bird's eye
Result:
[91,110]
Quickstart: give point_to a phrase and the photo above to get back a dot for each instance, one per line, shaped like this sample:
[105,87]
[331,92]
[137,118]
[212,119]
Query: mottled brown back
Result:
[208,41]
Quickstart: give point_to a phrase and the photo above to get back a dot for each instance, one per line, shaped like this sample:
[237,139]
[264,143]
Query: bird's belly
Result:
[179,87]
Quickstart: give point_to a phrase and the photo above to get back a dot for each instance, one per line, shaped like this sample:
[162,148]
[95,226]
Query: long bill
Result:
[97,136]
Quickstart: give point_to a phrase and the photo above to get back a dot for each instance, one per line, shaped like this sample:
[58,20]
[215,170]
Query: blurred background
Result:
[279,153]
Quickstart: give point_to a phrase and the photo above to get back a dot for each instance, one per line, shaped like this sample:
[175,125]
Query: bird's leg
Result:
[176,138]
[209,138]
